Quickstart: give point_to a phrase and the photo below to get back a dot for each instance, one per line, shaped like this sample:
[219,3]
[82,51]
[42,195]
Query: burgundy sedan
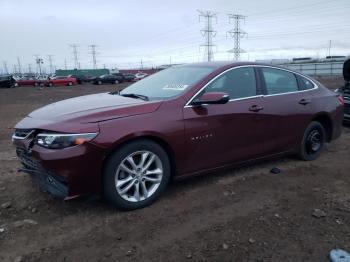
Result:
[61,80]
[182,121]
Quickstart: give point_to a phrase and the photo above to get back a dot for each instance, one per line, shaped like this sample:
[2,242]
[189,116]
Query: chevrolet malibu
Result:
[182,121]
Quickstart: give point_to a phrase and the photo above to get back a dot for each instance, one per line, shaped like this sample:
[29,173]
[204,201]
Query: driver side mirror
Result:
[211,98]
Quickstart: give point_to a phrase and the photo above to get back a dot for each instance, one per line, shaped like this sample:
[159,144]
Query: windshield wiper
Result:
[143,97]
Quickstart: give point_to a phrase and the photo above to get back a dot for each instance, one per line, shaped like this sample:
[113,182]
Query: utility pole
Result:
[236,33]
[19,65]
[5,67]
[65,64]
[208,33]
[14,69]
[49,57]
[29,68]
[329,47]
[39,61]
[75,56]
[93,52]
[141,64]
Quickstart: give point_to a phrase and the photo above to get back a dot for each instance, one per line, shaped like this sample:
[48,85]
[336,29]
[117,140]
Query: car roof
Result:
[220,64]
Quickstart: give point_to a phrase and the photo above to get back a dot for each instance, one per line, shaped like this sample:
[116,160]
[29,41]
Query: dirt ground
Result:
[242,214]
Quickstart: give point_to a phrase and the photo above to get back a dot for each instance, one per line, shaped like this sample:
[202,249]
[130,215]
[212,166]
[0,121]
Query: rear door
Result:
[284,112]
[220,134]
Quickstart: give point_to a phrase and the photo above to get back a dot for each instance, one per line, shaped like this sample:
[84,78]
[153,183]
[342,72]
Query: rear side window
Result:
[305,84]
[238,83]
[279,81]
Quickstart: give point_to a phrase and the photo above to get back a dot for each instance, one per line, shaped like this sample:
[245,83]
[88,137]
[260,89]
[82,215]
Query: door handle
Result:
[255,108]
[304,101]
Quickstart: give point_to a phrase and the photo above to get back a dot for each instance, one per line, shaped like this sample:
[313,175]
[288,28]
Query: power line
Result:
[208,32]
[49,57]
[236,33]
[93,52]
[75,56]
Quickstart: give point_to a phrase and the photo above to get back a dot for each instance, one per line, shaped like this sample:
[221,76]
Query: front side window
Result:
[237,83]
[279,81]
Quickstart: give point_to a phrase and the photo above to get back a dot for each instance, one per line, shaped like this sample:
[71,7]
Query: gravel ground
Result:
[241,214]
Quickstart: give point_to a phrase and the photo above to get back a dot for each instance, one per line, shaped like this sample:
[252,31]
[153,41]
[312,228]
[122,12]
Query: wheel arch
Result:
[325,120]
[154,138]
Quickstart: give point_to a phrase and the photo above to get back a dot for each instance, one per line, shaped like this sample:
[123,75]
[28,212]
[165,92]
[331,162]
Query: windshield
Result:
[169,82]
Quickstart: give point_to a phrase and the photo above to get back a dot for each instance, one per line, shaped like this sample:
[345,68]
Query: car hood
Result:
[94,108]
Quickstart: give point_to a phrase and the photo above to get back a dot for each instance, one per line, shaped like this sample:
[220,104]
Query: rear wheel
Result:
[99,82]
[116,82]
[136,175]
[70,83]
[50,84]
[313,141]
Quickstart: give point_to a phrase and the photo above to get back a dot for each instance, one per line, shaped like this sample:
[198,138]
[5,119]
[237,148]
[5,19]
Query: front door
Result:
[221,134]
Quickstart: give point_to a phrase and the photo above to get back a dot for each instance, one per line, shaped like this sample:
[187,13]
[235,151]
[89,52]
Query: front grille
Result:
[27,160]
[22,133]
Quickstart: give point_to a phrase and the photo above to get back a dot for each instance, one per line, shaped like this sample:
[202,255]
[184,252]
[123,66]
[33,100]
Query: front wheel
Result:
[116,82]
[136,175]
[313,141]
[70,83]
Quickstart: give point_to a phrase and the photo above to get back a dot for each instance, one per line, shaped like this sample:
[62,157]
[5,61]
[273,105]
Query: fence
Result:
[317,69]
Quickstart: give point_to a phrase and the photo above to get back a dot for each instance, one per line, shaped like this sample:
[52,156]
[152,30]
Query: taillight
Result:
[341,100]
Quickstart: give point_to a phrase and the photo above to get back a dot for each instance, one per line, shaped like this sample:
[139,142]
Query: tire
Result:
[70,83]
[50,84]
[99,82]
[114,172]
[36,84]
[313,141]
[116,82]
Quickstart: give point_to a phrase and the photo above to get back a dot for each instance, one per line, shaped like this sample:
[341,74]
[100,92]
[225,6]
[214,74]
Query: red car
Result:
[181,121]
[29,82]
[61,81]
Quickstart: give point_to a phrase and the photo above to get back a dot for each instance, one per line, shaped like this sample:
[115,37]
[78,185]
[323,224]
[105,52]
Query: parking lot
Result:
[241,214]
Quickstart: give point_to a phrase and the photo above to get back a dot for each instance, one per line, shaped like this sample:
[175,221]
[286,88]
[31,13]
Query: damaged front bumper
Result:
[47,181]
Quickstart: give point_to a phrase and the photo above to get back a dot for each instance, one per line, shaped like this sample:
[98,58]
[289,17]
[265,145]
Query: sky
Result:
[160,32]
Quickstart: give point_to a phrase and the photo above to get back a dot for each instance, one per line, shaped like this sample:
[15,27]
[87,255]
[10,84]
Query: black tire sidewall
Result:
[111,166]
[303,154]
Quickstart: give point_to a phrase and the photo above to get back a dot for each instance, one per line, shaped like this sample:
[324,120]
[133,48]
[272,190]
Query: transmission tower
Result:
[93,52]
[29,68]
[75,56]
[237,33]
[19,65]
[5,67]
[208,33]
[49,57]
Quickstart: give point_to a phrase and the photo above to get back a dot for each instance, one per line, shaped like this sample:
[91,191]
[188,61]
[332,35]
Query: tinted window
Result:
[238,83]
[305,83]
[279,81]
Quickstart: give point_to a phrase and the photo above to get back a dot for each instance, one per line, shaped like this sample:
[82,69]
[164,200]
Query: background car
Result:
[129,77]
[7,81]
[140,76]
[29,81]
[61,80]
[108,79]
[182,121]
[344,91]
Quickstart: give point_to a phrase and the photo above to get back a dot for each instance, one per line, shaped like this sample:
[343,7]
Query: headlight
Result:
[57,141]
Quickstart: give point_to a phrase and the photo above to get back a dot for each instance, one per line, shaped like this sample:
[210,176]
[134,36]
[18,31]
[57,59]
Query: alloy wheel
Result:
[139,176]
